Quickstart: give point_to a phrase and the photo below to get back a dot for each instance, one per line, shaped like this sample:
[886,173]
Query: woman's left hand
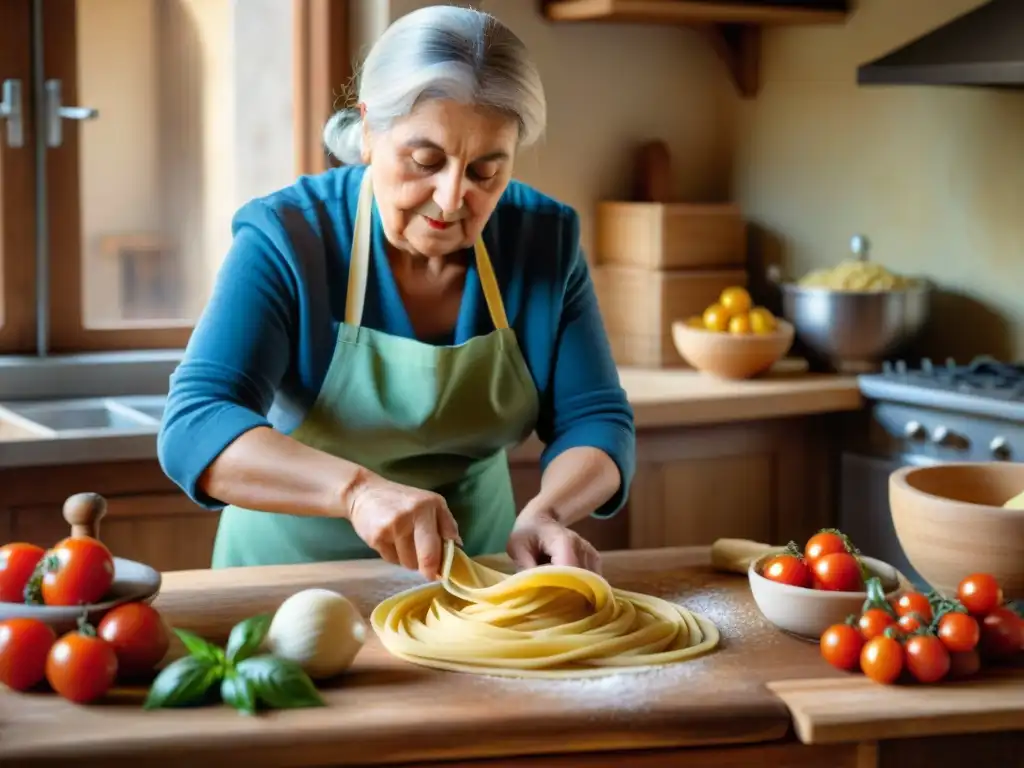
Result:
[538,533]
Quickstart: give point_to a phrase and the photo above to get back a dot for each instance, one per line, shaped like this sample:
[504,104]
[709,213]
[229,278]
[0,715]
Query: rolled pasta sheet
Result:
[549,621]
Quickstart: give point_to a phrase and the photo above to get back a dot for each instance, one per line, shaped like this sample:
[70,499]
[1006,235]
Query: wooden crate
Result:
[670,235]
[639,305]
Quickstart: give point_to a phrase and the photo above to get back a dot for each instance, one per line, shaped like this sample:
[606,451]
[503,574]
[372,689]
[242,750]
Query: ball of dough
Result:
[319,630]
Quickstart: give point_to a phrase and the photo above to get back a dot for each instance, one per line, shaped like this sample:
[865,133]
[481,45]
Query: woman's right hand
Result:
[407,526]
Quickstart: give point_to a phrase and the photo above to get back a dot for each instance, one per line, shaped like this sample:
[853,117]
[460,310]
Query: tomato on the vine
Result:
[909,623]
[914,602]
[77,571]
[81,667]
[980,594]
[17,562]
[138,635]
[24,645]
[882,659]
[824,543]
[926,658]
[841,645]
[837,572]
[873,623]
[1002,635]
[959,632]
[787,569]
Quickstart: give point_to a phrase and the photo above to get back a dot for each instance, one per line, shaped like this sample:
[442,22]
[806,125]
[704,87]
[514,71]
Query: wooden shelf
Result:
[733,28]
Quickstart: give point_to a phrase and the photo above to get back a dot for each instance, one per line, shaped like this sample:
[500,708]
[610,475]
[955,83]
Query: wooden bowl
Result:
[731,356]
[807,613]
[950,521]
[133,582]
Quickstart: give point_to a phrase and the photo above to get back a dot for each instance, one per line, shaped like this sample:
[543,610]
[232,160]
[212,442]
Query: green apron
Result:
[438,418]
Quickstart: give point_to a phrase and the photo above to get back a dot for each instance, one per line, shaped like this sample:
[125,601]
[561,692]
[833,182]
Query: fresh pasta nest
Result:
[548,621]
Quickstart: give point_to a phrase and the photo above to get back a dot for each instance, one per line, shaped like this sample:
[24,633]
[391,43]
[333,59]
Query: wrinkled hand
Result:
[536,534]
[406,525]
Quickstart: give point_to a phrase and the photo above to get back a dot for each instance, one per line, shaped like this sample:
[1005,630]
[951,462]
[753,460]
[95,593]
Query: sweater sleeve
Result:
[586,404]
[236,356]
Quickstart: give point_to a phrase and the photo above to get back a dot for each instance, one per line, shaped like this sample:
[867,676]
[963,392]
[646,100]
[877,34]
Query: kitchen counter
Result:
[719,708]
[679,397]
[660,398]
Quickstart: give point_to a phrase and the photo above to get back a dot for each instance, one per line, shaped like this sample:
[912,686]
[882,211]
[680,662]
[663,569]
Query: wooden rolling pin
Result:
[736,555]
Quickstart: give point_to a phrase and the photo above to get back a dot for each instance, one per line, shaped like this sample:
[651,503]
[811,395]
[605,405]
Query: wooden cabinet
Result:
[768,480]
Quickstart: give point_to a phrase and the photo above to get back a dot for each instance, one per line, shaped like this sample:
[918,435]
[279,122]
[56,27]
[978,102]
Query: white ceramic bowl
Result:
[807,613]
[133,582]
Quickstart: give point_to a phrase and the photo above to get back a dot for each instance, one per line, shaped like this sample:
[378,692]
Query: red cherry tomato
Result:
[787,569]
[914,602]
[873,623]
[79,571]
[81,667]
[837,572]
[823,543]
[926,658]
[1002,635]
[882,659]
[959,632]
[138,635]
[909,623]
[980,594]
[841,645]
[17,562]
[24,645]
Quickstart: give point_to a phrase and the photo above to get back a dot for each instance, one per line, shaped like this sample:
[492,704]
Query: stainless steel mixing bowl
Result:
[855,331]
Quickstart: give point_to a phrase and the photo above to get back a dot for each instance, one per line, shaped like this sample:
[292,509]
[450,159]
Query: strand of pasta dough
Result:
[550,621]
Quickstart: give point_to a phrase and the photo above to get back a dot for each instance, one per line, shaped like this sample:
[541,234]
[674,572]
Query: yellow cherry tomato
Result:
[739,325]
[716,318]
[762,321]
[736,301]
[695,322]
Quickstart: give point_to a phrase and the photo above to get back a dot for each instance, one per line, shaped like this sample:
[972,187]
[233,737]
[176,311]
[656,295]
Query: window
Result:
[123,158]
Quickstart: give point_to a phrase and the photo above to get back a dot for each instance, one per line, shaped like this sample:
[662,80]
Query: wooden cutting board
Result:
[849,709]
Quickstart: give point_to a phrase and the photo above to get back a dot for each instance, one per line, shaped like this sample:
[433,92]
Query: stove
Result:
[984,386]
[931,414]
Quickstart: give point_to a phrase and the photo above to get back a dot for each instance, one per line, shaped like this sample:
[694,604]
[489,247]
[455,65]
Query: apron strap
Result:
[359,262]
[359,258]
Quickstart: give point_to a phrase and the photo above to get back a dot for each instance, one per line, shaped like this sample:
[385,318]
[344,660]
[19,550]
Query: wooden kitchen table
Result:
[714,711]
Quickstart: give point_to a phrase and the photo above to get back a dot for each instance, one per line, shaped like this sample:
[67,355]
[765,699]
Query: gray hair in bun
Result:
[445,52]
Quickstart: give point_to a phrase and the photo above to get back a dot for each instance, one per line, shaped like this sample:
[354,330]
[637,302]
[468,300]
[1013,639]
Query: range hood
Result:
[983,47]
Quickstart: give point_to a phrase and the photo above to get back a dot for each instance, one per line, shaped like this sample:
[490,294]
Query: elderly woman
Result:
[381,333]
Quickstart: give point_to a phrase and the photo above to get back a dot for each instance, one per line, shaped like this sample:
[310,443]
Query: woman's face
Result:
[438,174]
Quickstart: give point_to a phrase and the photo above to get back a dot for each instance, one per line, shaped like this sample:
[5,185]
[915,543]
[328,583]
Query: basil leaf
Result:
[183,682]
[199,648]
[279,683]
[246,637]
[238,692]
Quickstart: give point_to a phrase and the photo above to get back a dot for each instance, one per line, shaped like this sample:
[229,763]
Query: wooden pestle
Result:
[83,512]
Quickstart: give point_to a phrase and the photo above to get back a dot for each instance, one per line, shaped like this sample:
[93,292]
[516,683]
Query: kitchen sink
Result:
[104,415]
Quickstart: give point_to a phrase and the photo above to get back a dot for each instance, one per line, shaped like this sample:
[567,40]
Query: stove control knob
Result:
[914,430]
[1000,448]
[947,438]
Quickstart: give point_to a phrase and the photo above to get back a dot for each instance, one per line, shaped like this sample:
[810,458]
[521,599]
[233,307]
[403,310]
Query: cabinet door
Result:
[766,481]
[164,530]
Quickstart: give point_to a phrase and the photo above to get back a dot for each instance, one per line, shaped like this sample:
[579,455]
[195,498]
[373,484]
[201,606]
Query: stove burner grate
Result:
[983,376]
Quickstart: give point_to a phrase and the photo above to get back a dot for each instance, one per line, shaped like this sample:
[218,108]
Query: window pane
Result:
[195,118]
